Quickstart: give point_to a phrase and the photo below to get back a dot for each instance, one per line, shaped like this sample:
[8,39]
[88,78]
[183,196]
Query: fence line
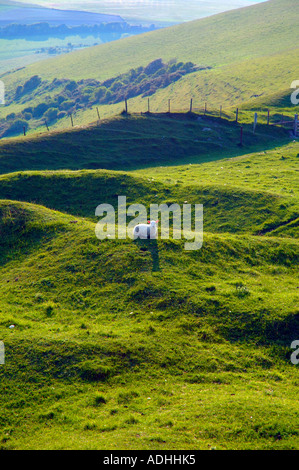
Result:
[205,111]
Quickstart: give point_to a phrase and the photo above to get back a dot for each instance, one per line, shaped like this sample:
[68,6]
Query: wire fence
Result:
[237,115]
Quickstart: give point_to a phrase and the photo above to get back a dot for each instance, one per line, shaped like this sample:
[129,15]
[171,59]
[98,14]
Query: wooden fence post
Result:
[268,118]
[46,124]
[24,130]
[98,113]
[237,115]
[169,106]
[296,126]
[191,105]
[206,107]
[72,120]
[126,106]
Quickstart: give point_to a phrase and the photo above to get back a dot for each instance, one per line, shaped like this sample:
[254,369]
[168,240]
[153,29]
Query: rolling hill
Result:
[183,337]
[137,141]
[254,59]
[18,13]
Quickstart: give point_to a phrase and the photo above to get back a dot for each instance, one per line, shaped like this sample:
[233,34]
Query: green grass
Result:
[191,41]
[171,351]
[185,339]
[137,141]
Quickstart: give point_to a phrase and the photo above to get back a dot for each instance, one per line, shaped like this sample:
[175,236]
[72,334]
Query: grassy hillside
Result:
[192,42]
[149,338]
[223,339]
[138,141]
[254,58]
[228,208]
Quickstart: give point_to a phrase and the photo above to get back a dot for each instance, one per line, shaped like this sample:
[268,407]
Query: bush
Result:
[100,93]
[31,84]
[71,86]
[154,66]
[61,99]
[91,373]
[241,290]
[40,110]
[117,85]
[67,105]
[27,116]
[10,117]
[51,114]
[17,127]
[28,86]
[28,110]
[61,115]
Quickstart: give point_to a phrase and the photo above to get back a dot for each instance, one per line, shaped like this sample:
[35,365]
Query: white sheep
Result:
[145,231]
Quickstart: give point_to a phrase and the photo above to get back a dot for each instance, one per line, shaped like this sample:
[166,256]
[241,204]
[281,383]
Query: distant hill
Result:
[13,12]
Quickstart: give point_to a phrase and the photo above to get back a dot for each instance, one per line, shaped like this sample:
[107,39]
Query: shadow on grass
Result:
[152,247]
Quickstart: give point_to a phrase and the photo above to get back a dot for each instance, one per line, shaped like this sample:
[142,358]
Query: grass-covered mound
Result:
[226,209]
[137,141]
[185,339]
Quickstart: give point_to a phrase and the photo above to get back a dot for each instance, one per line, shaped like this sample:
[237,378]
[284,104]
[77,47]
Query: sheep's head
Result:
[153,223]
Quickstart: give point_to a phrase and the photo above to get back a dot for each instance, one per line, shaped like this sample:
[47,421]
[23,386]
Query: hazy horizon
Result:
[150,10]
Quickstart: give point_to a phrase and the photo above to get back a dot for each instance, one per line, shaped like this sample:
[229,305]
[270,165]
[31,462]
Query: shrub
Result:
[61,99]
[71,86]
[19,91]
[40,110]
[61,115]
[31,84]
[49,308]
[126,397]
[100,93]
[51,114]
[17,127]
[11,116]
[39,297]
[90,373]
[117,85]
[28,86]
[153,67]
[67,105]
[27,116]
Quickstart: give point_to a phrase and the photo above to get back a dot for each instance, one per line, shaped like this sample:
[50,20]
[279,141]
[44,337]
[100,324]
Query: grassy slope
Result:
[229,207]
[181,343]
[135,142]
[192,40]
[262,61]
